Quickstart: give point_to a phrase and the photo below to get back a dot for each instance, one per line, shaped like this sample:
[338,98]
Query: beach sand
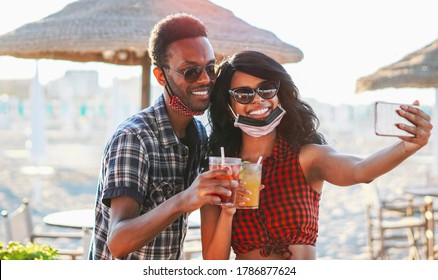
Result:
[70,173]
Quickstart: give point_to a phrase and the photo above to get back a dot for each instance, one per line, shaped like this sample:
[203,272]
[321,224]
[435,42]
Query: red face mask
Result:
[178,105]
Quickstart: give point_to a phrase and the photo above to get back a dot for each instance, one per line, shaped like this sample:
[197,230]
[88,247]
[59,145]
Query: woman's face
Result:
[259,108]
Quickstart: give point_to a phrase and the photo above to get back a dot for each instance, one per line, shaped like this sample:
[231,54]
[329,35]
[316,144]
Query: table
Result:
[423,190]
[84,218]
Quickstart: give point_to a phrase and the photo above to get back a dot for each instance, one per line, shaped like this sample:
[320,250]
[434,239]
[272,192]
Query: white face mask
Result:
[258,128]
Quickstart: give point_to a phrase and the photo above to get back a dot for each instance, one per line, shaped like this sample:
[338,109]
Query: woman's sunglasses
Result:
[245,95]
[192,74]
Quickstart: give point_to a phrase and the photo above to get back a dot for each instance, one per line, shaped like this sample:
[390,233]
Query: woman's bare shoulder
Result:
[316,150]
[314,155]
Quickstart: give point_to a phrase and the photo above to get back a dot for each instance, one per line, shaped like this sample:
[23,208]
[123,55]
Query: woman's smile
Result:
[259,112]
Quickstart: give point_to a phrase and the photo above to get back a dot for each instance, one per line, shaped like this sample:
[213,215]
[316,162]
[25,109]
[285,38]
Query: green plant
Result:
[32,251]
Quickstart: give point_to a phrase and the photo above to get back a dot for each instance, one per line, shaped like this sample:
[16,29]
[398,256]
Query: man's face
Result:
[185,54]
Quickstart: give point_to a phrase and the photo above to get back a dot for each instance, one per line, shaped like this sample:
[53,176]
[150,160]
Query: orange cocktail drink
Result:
[227,163]
[251,174]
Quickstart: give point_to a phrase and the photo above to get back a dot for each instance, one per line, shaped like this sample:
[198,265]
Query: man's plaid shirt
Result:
[147,162]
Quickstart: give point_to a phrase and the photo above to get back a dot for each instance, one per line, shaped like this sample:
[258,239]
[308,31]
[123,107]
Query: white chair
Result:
[86,241]
[192,244]
[19,227]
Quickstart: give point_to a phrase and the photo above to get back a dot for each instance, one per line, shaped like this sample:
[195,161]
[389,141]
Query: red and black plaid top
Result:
[288,211]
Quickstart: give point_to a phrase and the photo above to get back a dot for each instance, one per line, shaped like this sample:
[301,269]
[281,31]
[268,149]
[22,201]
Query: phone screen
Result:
[385,119]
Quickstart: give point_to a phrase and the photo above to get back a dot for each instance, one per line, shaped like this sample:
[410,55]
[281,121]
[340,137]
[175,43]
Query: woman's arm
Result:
[216,225]
[324,163]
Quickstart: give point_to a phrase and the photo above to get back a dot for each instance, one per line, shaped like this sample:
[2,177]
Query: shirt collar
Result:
[167,136]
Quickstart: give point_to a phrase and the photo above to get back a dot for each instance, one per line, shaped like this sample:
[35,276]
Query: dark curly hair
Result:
[170,29]
[299,124]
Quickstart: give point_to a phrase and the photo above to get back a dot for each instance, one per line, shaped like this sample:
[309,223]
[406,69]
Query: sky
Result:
[342,40]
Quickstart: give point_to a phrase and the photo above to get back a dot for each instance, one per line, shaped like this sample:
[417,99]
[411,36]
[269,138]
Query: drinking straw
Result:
[223,155]
[260,160]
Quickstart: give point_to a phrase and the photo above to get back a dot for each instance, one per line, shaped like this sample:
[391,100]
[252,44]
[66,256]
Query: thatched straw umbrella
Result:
[416,70]
[114,31]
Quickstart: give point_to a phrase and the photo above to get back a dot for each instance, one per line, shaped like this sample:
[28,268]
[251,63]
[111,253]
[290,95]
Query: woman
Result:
[256,111]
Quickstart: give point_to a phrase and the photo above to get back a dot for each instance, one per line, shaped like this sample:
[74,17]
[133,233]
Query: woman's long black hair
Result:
[299,124]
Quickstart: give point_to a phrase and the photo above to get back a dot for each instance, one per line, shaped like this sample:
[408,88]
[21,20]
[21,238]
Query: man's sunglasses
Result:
[245,95]
[192,74]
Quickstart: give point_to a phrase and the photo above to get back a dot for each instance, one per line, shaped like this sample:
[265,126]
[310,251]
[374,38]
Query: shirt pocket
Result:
[161,191]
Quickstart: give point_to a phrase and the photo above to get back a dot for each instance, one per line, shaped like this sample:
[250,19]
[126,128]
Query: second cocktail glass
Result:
[251,174]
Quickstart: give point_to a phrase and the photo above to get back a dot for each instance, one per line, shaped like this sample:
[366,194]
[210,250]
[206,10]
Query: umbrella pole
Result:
[145,81]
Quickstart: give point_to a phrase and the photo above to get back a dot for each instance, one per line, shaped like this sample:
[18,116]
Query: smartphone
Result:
[386,118]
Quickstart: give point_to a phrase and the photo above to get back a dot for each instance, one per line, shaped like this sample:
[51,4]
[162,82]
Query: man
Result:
[150,175]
